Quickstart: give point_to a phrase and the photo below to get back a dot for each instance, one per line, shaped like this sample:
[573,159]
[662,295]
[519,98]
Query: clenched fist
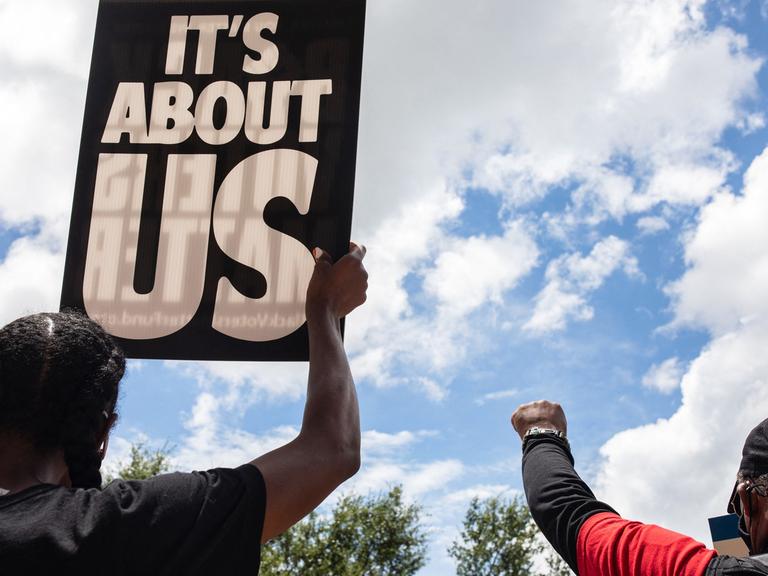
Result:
[542,413]
[337,288]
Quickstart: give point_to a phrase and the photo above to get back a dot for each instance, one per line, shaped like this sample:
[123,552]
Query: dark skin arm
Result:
[559,500]
[542,414]
[302,473]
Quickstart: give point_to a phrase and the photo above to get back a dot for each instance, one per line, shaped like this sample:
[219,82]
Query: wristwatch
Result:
[536,431]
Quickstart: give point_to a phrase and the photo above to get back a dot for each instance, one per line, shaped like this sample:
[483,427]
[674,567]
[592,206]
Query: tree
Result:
[499,539]
[363,536]
[144,463]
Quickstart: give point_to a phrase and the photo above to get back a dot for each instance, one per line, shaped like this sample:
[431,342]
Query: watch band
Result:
[537,431]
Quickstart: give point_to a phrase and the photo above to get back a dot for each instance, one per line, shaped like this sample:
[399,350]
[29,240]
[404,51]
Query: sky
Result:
[560,200]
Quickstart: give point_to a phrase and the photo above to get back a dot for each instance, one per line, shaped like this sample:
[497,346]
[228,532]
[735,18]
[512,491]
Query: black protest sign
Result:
[218,149]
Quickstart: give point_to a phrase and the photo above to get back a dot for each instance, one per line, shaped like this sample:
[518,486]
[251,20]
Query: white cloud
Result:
[214,439]
[752,123]
[45,48]
[470,272]
[69,25]
[480,491]
[383,443]
[499,395]
[570,280]
[639,98]
[683,184]
[386,331]
[653,87]
[418,479]
[245,383]
[680,470]
[459,276]
[727,276]
[664,377]
[30,277]
[652,224]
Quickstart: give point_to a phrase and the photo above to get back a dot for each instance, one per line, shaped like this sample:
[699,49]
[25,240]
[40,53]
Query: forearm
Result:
[331,415]
[559,500]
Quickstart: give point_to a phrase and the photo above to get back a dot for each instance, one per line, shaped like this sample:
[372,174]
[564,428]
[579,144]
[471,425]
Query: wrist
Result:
[542,425]
[536,433]
[320,312]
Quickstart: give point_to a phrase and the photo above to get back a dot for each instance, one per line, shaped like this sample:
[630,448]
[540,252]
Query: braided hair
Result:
[59,378]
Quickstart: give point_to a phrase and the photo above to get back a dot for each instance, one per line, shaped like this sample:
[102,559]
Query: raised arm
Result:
[587,533]
[299,475]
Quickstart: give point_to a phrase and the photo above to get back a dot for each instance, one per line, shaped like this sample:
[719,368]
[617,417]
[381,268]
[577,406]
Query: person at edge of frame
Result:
[59,379]
[595,541]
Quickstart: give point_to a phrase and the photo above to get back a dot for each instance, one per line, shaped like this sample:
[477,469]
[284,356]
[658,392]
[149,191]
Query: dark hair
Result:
[59,376]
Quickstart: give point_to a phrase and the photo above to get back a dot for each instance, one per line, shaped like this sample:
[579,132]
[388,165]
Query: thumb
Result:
[322,258]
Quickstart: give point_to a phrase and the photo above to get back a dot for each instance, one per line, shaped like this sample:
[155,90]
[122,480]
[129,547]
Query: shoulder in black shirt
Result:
[174,524]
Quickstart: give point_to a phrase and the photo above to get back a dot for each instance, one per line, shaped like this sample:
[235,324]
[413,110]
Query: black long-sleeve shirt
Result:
[595,541]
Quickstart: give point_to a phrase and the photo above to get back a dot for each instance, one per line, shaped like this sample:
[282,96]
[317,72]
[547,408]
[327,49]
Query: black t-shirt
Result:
[174,524]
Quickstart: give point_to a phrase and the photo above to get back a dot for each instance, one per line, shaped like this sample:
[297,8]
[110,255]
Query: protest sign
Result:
[218,148]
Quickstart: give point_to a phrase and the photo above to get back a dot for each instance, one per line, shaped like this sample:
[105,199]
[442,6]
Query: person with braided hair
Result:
[59,383]
[59,376]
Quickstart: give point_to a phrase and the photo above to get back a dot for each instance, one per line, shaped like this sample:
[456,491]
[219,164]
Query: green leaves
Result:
[144,463]
[363,536]
[500,539]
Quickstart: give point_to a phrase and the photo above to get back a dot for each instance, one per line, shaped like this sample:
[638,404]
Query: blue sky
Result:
[555,207]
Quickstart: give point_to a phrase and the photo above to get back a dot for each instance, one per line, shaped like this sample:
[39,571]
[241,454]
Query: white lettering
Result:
[171,102]
[128,115]
[240,231]
[267,50]
[310,92]
[108,286]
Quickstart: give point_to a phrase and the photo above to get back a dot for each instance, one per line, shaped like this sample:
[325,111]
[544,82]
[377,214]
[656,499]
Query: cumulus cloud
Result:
[727,275]
[476,270]
[572,278]
[212,443]
[30,277]
[637,127]
[679,470]
[44,53]
[69,23]
[639,100]
[664,377]
[244,383]
[45,50]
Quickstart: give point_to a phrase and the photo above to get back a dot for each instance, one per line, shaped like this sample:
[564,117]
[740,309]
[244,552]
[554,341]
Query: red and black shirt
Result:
[595,541]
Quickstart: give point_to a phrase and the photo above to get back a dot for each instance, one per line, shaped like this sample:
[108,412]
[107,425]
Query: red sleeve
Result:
[608,545]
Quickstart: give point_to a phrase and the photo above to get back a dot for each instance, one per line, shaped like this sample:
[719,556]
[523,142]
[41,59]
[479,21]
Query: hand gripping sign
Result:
[218,149]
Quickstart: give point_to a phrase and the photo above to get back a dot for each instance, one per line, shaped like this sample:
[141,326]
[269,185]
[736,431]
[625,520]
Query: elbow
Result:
[350,464]
[338,460]
[346,460]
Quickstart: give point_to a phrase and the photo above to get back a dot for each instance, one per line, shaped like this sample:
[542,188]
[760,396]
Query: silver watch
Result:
[536,431]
